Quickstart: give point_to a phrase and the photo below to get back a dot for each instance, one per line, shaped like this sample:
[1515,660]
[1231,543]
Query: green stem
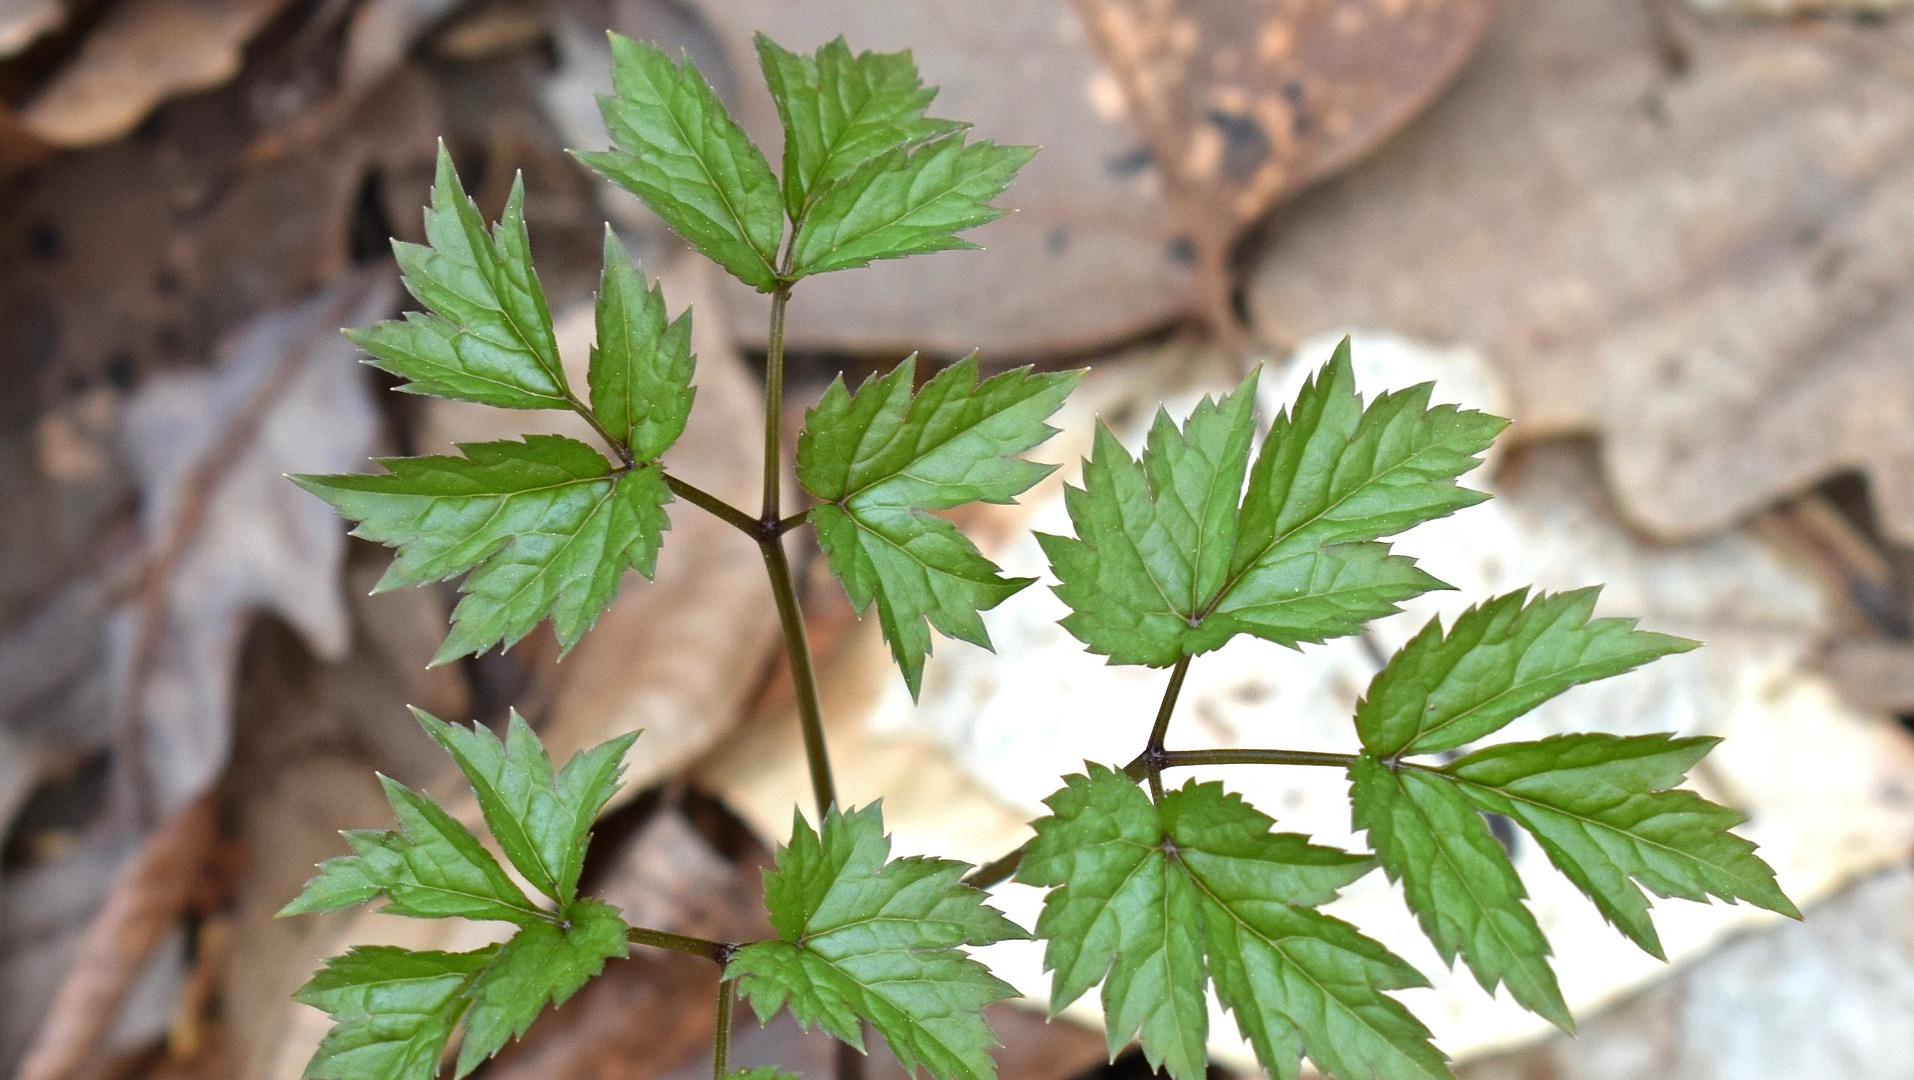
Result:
[1176,759]
[717,952]
[717,507]
[721,1050]
[797,647]
[785,525]
[1153,753]
[774,405]
[996,871]
[769,530]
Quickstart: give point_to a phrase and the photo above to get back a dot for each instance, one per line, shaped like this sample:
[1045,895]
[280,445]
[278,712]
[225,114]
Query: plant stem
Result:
[996,871]
[715,506]
[797,648]
[774,404]
[1173,759]
[769,530]
[721,1049]
[1153,752]
[717,952]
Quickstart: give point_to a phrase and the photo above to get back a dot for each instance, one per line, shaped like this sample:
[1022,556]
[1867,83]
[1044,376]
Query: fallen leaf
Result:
[24,21]
[1828,996]
[1694,254]
[1089,257]
[1244,103]
[145,901]
[139,54]
[227,535]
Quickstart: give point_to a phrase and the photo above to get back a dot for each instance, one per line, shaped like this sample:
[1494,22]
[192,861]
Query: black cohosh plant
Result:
[1159,893]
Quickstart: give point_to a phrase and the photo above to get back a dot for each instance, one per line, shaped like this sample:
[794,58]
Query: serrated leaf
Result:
[431,867]
[840,110]
[1333,471]
[541,821]
[1597,805]
[1499,660]
[1153,900]
[1167,563]
[1458,881]
[542,963]
[641,366]
[489,335]
[393,1011]
[880,459]
[547,526]
[862,939]
[683,154]
[910,200]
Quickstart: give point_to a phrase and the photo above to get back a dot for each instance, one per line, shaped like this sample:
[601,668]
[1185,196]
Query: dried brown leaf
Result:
[141,53]
[145,901]
[1245,101]
[1695,250]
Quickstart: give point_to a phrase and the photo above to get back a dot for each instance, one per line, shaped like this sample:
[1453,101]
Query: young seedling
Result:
[1159,894]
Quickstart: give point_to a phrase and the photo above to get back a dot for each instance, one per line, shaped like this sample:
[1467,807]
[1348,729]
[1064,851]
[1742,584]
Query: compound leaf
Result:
[683,154]
[542,963]
[1498,661]
[1457,879]
[840,110]
[1598,806]
[641,366]
[880,459]
[862,939]
[1153,900]
[393,1011]
[909,200]
[541,821]
[1166,563]
[547,526]
[489,337]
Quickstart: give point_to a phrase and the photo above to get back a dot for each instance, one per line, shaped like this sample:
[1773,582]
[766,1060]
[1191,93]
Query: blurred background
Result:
[1673,239]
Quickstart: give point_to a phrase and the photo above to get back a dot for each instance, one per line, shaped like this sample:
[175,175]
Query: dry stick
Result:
[145,901]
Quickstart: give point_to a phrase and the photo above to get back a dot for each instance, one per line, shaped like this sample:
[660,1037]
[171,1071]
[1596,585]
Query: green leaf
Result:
[541,821]
[880,459]
[1167,564]
[1500,660]
[1154,900]
[542,963]
[641,366]
[1332,471]
[1458,881]
[547,526]
[681,153]
[1597,805]
[860,938]
[393,1011]
[431,867]
[840,111]
[906,201]
[489,338]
